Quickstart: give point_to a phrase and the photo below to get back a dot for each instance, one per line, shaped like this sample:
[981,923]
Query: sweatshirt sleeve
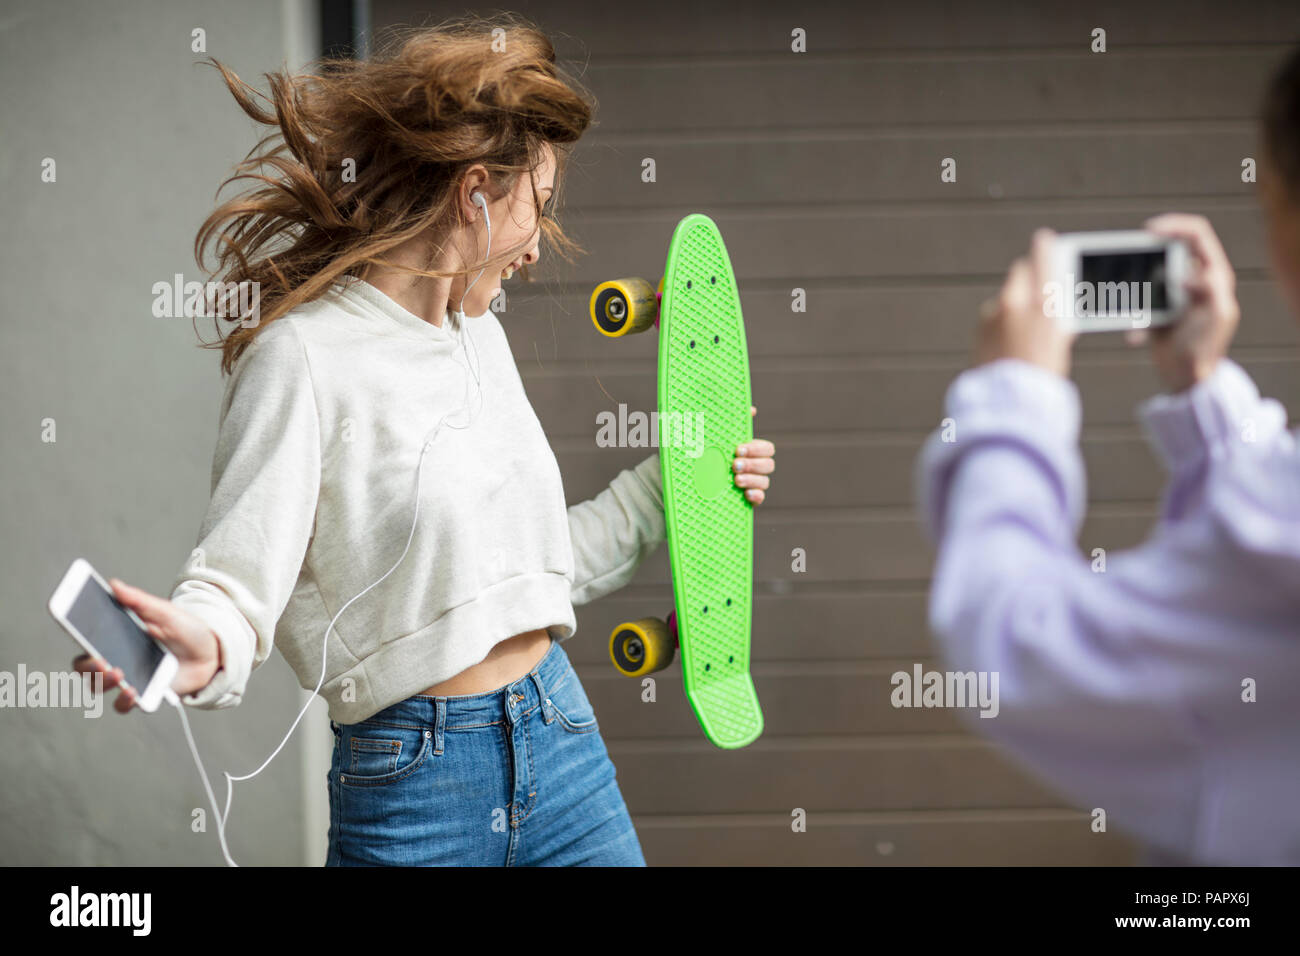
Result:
[617,530]
[1085,693]
[265,483]
[1217,419]
[1105,674]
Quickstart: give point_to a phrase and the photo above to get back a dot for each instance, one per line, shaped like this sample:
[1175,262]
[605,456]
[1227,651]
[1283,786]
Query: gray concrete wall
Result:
[141,138]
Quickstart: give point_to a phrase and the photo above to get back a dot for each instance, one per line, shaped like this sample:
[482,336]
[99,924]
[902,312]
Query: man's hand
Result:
[1016,324]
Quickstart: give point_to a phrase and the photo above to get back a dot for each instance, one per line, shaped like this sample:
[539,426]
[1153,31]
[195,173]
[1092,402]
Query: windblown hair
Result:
[413,119]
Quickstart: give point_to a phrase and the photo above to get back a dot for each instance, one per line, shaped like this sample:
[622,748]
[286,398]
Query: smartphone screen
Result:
[1126,282]
[102,621]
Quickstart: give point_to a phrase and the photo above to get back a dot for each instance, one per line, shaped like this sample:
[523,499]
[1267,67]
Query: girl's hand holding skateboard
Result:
[753,464]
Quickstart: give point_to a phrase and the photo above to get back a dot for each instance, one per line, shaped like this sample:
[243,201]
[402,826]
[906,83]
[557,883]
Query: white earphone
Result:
[477,198]
[481,202]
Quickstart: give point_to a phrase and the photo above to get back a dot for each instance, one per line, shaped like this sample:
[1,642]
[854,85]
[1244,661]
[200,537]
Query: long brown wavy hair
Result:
[412,119]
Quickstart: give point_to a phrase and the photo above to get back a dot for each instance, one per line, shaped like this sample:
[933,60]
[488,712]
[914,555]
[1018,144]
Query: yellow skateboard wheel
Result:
[624,306]
[642,647]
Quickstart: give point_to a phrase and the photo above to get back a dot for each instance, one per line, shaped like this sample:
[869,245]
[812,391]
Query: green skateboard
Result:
[704,403]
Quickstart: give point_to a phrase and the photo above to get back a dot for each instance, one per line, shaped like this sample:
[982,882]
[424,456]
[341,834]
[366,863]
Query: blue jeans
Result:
[515,777]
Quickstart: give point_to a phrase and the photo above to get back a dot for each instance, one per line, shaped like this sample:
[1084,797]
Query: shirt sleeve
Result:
[1100,671]
[617,530]
[265,484]
[1214,420]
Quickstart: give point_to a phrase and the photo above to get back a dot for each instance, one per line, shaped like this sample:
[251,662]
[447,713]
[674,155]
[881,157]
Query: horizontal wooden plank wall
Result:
[822,170]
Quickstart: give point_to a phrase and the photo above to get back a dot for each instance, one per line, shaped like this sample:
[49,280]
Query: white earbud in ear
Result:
[478,200]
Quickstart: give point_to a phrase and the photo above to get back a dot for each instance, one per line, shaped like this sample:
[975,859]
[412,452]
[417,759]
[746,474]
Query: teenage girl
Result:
[1159,687]
[386,508]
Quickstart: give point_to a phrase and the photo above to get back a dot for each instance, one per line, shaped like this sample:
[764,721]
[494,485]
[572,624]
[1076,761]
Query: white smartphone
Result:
[1117,280]
[88,610]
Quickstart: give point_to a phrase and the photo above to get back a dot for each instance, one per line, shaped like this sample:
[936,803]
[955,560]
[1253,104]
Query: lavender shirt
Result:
[1124,688]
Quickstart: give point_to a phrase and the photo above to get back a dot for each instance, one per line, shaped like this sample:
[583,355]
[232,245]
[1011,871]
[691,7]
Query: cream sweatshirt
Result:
[314,491]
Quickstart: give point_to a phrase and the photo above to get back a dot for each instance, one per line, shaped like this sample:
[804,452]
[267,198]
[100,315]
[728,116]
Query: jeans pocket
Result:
[572,708]
[374,754]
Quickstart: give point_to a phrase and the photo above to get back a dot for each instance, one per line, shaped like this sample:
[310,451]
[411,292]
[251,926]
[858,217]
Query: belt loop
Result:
[440,722]
[547,706]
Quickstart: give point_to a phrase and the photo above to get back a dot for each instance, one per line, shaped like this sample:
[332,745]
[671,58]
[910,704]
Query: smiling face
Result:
[515,223]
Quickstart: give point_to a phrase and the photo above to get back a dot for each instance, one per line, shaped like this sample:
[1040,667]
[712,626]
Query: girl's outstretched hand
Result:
[182,633]
[753,464]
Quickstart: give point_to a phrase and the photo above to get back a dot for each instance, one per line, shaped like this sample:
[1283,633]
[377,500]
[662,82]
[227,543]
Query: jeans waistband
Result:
[510,702]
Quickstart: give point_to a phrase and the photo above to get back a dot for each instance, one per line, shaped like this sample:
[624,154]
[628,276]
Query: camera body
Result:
[1117,280]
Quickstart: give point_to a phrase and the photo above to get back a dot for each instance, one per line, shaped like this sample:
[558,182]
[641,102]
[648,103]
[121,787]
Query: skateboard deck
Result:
[704,413]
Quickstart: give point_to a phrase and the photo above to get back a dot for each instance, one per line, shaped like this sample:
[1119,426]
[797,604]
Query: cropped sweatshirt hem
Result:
[460,638]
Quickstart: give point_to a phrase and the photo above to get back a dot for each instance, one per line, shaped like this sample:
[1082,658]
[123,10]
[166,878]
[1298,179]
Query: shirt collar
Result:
[381,306]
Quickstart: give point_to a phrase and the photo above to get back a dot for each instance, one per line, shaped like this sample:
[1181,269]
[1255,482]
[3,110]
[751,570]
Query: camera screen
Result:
[102,621]
[1125,282]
